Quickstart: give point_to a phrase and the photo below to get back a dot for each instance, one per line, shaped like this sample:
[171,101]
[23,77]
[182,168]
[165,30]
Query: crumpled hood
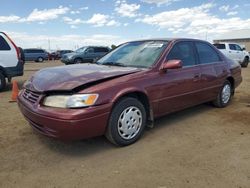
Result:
[72,76]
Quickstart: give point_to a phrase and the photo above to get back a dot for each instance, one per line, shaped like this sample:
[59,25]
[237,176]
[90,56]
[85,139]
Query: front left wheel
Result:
[127,122]
[245,62]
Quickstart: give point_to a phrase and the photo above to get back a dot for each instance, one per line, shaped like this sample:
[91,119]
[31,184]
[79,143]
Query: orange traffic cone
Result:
[15,91]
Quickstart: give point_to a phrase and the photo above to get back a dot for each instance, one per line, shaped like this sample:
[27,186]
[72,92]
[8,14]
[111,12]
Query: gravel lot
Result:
[199,147]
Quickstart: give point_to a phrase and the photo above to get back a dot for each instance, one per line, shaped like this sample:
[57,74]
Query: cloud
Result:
[75,12]
[26,40]
[126,10]
[84,8]
[97,20]
[46,14]
[232,13]
[224,8]
[9,19]
[194,22]
[71,21]
[159,2]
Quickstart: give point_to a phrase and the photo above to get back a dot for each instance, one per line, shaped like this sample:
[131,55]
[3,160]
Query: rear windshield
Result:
[3,44]
[220,46]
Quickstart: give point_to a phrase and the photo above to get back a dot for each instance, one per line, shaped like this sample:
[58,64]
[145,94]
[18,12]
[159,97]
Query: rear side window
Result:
[183,51]
[220,46]
[33,51]
[101,50]
[206,53]
[3,44]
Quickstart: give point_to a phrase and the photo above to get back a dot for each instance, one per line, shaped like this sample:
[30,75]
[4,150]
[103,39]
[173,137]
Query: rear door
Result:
[179,87]
[8,54]
[28,54]
[240,53]
[213,70]
[233,53]
[100,51]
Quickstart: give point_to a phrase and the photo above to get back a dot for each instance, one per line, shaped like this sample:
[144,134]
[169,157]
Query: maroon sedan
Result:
[127,89]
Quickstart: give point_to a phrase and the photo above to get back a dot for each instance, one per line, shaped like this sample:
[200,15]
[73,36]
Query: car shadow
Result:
[175,117]
[99,144]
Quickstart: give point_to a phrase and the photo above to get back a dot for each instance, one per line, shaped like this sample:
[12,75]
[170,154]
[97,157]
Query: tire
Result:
[78,61]
[245,62]
[134,123]
[40,59]
[2,81]
[224,96]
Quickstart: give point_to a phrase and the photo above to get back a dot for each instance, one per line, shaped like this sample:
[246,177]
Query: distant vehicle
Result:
[34,54]
[52,56]
[234,51]
[60,53]
[86,54]
[11,61]
[127,89]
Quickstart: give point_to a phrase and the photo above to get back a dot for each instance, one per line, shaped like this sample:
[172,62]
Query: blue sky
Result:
[71,24]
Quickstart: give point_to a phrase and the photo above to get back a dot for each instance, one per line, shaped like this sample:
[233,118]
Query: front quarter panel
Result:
[111,91]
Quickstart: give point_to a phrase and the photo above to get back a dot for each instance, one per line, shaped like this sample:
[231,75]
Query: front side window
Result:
[232,47]
[3,44]
[135,54]
[90,50]
[238,48]
[206,53]
[80,50]
[183,51]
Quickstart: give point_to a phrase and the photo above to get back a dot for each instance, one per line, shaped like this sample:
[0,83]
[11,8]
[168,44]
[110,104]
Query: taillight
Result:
[18,52]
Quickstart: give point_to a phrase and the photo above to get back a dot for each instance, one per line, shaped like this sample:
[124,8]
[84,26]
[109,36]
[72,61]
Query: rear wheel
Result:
[127,122]
[40,59]
[78,61]
[2,81]
[245,62]
[224,95]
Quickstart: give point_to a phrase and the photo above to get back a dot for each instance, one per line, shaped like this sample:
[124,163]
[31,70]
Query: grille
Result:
[30,96]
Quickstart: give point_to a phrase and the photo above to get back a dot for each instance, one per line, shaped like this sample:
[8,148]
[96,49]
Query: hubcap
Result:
[78,61]
[226,93]
[129,122]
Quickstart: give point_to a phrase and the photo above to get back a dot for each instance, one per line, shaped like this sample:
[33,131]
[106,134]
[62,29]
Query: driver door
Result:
[179,87]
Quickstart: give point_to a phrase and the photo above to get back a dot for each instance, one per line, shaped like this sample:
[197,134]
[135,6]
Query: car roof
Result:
[94,47]
[33,49]
[167,39]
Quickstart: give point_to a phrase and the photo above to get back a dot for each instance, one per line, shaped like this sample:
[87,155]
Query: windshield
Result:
[81,49]
[135,54]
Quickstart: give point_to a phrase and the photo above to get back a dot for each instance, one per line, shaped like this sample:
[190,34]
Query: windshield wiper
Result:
[113,64]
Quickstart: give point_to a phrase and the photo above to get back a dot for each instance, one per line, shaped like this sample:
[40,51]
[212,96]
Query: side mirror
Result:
[171,64]
[242,49]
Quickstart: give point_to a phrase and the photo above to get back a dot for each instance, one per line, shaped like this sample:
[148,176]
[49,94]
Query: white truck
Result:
[11,60]
[235,52]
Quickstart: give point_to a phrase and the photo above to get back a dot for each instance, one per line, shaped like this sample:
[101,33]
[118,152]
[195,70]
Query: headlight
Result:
[70,101]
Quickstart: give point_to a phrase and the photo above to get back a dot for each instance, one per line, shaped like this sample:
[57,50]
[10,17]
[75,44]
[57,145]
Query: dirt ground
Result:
[199,147]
